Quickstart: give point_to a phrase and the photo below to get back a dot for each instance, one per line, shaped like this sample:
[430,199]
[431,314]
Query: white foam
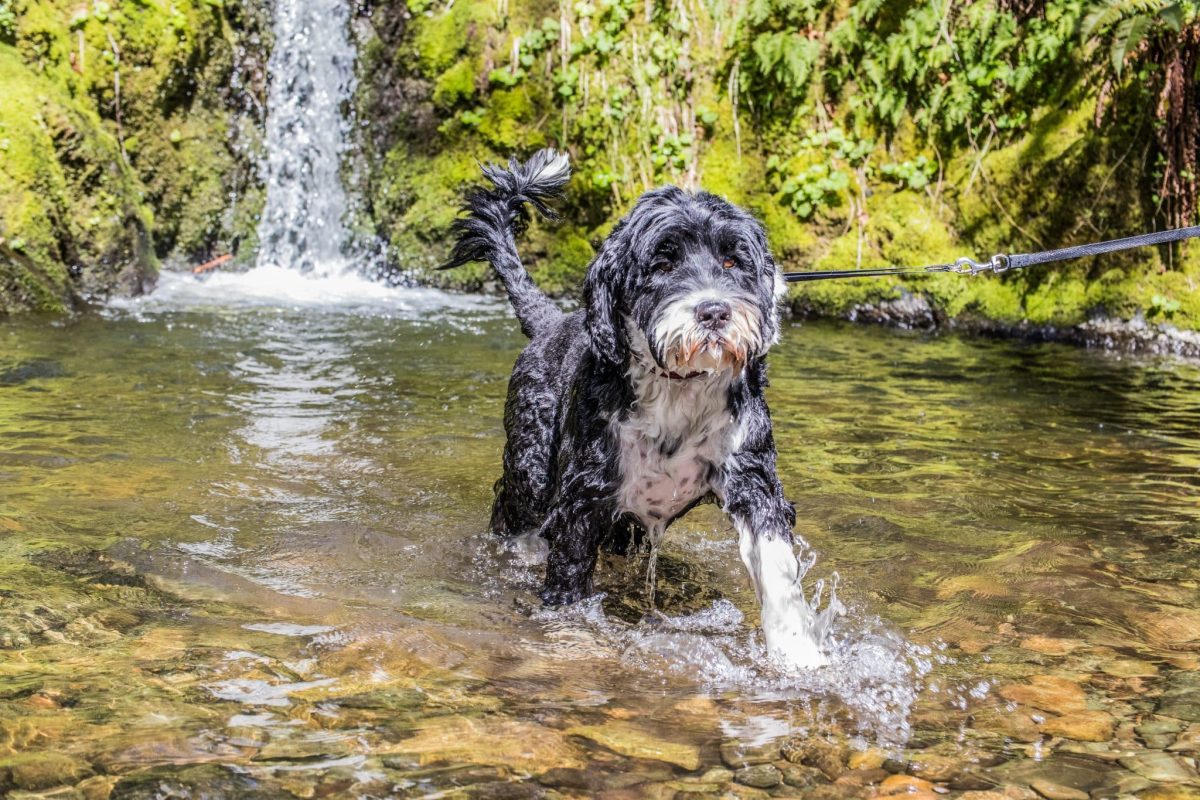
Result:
[278,288]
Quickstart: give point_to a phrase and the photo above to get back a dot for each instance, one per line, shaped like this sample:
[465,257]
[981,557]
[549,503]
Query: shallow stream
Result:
[243,553]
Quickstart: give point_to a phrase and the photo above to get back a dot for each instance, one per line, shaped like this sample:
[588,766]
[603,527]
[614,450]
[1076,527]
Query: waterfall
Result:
[312,77]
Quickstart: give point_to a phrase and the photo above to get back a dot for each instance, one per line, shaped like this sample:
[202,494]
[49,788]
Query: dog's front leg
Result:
[763,518]
[574,533]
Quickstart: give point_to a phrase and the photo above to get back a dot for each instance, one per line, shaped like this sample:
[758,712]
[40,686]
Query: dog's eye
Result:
[729,263]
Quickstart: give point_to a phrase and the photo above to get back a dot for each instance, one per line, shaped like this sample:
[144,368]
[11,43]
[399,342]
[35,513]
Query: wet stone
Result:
[1084,726]
[1056,791]
[823,755]
[1188,741]
[1156,727]
[737,754]
[716,775]
[1181,699]
[1121,783]
[630,740]
[1159,766]
[43,770]
[1129,668]
[1047,692]
[935,767]
[761,776]
[801,776]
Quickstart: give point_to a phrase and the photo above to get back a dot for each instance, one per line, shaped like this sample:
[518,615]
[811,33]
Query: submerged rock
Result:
[1056,791]
[1084,726]
[1047,692]
[630,740]
[762,776]
[737,754]
[489,740]
[1159,766]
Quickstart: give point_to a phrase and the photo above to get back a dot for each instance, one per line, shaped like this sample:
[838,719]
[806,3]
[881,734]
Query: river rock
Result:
[801,776]
[635,742]
[1173,627]
[737,754]
[1188,741]
[488,740]
[904,784]
[825,756]
[46,769]
[1084,726]
[1056,791]
[1048,645]
[1129,668]
[935,767]
[760,776]
[870,758]
[1181,699]
[1047,692]
[1158,766]
[1014,725]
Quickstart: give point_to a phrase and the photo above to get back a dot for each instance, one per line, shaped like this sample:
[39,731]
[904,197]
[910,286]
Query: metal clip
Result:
[969,266]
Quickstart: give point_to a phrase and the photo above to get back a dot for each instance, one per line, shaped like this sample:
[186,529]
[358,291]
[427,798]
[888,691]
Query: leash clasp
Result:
[968,266]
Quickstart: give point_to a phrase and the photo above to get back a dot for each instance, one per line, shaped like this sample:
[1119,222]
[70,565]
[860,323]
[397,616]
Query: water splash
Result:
[312,77]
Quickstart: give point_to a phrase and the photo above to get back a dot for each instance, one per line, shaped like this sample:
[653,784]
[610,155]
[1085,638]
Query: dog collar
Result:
[675,376]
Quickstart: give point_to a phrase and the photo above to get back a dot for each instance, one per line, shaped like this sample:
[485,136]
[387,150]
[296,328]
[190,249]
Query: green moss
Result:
[567,255]
[456,84]
[442,35]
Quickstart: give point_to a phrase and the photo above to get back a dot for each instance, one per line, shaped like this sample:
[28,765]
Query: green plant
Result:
[1158,41]
[8,23]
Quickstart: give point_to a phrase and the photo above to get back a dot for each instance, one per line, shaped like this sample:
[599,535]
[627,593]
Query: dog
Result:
[625,414]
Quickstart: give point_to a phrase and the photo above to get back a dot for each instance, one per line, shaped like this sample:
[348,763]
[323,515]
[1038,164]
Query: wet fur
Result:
[598,430]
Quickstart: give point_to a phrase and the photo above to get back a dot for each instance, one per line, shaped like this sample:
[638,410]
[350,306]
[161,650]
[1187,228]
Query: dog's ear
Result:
[601,293]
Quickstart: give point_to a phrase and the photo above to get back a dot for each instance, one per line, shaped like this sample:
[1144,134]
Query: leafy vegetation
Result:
[862,134]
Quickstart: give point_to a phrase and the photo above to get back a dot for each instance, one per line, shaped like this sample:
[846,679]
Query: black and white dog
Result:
[625,414]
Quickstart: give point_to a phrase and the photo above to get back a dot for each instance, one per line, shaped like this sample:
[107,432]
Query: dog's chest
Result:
[671,449]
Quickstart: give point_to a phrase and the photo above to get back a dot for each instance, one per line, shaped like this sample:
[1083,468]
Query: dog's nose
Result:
[713,313]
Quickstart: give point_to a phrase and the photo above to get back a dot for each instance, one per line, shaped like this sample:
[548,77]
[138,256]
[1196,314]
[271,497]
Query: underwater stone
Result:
[43,770]
[1188,741]
[825,756]
[1047,692]
[1083,726]
[1056,791]
[762,776]
[629,740]
[736,754]
[801,776]
[1158,766]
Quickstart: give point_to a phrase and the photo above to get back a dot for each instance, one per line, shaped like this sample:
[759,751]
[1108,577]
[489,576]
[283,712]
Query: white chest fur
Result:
[672,445]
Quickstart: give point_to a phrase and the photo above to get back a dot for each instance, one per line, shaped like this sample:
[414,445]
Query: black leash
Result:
[1003,263]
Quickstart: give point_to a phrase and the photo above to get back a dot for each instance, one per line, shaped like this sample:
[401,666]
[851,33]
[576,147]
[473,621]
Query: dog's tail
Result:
[496,216]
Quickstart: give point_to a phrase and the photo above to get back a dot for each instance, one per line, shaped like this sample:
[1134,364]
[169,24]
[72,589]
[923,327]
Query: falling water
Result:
[312,76]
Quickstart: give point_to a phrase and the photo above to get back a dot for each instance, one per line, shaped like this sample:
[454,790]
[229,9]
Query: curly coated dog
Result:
[625,414]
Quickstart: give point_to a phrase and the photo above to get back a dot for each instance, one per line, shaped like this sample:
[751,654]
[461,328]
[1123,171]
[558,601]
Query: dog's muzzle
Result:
[707,334]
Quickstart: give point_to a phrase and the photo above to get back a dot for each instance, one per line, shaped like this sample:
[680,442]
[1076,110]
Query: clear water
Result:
[242,551]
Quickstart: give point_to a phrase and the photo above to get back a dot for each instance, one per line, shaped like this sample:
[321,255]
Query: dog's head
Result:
[686,282]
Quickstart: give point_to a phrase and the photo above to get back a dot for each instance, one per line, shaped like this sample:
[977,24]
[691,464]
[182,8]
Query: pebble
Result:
[904,784]
[934,767]
[46,769]
[1129,668]
[760,776]
[801,776]
[737,754]
[1047,692]
[1048,645]
[1015,725]
[1056,791]
[1158,766]
[1188,741]
[818,753]
[870,758]
[632,741]
[1084,726]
